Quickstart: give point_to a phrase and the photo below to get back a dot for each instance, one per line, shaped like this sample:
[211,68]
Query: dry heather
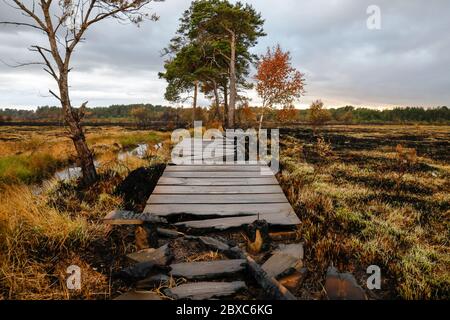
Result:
[30,154]
[371,200]
[45,229]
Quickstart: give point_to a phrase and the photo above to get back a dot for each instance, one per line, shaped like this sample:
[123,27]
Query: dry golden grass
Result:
[29,154]
[205,256]
[30,231]
[43,230]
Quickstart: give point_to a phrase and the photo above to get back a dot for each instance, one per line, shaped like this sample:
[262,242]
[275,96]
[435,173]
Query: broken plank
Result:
[287,258]
[207,269]
[269,180]
[123,217]
[169,189]
[245,209]
[284,235]
[168,233]
[205,290]
[270,285]
[159,256]
[214,244]
[235,222]
[216,198]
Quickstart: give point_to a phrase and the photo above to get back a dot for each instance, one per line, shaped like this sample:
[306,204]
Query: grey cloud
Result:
[404,63]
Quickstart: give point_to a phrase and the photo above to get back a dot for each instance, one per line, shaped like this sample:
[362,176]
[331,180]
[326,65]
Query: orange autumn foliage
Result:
[278,83]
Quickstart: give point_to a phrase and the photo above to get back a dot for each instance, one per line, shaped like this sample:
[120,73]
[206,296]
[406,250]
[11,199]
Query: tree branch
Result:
[18,24]
[31,13]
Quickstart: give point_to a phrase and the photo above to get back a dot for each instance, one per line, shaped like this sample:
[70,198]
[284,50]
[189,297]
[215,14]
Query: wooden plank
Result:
[235,222]
[286,258]
[214,244]
[255,174]
[209,152]
[270,285]
[266,180]
[205,144]
[138,295]
[205,290]
[210,147]
[207,269]
[222,210]
[123,217]
[163,189]
[159,256]
[216,198]
[214,168]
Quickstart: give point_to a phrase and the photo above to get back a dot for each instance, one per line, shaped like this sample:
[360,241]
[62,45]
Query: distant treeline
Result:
[143,113]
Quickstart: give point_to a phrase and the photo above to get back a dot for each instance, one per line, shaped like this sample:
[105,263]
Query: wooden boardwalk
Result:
[218,196]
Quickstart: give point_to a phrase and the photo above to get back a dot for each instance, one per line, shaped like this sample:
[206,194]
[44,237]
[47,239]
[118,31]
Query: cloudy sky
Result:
[406,62]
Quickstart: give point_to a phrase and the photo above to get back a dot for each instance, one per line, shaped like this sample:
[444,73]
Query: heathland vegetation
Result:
[365,194]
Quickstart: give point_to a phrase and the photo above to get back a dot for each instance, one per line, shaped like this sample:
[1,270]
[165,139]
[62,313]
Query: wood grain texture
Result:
[216,198]
[205,290]
[218,174]
[235,222]
[208,269]
[174,189]
[269,180]
[218,210]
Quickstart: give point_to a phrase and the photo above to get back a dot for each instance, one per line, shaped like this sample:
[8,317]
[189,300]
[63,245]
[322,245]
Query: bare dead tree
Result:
[64,23]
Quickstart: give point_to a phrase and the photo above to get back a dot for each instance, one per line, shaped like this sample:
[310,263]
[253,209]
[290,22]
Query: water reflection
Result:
[74,172]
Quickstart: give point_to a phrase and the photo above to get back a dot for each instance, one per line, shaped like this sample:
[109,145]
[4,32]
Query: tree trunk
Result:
[216,97]
[233,90]
[225,105]
[72,119]
[261,122]
[194,105]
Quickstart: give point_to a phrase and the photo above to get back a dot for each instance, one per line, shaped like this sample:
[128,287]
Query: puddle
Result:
[140,152]
[71,172]
[74,172]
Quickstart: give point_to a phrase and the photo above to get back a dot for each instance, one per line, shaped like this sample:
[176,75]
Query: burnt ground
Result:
[436,147]
[137,187]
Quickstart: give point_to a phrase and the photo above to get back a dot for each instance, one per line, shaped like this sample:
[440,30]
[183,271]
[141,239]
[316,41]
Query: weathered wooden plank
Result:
[286,258]
[222,210]
[138,295]
[216,198]
[187,174]
[214,244]
[266,180]
[215,168]
[204,152]
[205,290]
[270,285]
[274,219]
[207,148]
[168,233]
[164,189]
[159,256]
[123,217]
[204,144]
[207,269]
